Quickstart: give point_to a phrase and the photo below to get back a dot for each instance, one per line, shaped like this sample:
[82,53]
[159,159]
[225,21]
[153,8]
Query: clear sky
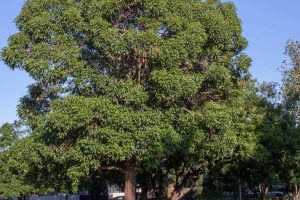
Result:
[267,25]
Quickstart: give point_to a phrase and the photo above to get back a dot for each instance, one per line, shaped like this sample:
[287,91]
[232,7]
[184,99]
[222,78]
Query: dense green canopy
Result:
[134,82]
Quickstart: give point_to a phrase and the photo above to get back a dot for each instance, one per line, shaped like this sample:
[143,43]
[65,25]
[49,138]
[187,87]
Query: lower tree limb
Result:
[174,194]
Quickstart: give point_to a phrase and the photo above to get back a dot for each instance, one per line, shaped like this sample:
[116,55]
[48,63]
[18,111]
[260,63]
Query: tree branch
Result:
[113,168]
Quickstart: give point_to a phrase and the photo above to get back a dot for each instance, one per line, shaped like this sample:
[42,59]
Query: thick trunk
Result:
[130,180]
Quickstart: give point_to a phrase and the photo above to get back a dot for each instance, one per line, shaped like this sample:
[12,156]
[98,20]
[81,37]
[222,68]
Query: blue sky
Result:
[267,24]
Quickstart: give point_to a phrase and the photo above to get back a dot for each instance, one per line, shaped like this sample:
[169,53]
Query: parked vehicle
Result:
[275,194]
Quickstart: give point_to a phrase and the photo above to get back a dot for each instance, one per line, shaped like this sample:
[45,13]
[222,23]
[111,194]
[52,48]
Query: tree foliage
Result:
[291,78]
[9,133]
[127,84]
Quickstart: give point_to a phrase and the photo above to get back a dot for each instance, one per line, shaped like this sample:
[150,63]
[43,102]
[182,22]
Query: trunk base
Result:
[130,180]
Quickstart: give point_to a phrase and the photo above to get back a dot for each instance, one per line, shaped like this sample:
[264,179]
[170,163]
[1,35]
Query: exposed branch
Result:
[187,110]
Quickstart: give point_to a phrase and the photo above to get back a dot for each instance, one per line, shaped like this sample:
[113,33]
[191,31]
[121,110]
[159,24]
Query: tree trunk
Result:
[263,191]
[130,180]
[239,188]
[174,194]
[296,192]
[144,194]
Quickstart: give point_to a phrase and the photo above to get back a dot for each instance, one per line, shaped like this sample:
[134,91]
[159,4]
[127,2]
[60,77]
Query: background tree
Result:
[291,113]
[9,133]
[120,83]
[13,182]
[291,79]
[15,163]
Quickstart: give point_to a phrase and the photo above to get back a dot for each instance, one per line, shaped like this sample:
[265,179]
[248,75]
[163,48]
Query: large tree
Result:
[122,84]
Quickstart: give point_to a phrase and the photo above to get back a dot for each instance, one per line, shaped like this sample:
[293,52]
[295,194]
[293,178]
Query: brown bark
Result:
[179,189]
[170,190]
[174,194]
[130,180]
